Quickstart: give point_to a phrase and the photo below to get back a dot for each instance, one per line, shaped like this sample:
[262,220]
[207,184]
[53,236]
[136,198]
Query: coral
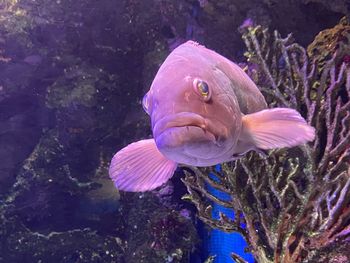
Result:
[155,233]
[330,41]
[295,203]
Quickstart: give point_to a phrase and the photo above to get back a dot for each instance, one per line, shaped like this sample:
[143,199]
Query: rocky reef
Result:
[71,82]
[294,203]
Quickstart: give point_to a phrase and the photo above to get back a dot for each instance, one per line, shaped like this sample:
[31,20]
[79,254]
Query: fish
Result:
[204,110]
[98,202]
[33,60]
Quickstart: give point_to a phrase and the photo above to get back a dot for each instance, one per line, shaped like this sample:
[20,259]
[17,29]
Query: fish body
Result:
[204,110]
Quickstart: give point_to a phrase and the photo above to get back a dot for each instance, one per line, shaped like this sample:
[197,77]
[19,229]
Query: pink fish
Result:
[204,110]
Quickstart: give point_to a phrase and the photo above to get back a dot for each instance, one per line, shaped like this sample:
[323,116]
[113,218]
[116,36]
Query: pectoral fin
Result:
[275,128]
[140,167]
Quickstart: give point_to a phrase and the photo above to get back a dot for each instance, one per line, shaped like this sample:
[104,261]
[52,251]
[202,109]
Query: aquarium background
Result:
[72,77]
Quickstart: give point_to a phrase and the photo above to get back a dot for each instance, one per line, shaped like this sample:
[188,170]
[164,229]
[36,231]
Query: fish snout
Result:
[183,119]
[190,138]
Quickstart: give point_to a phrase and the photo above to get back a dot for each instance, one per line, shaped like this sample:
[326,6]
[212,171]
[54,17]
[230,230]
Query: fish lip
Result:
[182,119]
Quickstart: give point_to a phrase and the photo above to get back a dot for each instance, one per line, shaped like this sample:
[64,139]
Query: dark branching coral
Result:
[296,202]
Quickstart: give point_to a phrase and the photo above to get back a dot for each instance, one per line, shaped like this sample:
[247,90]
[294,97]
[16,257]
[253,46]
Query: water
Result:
[72,78]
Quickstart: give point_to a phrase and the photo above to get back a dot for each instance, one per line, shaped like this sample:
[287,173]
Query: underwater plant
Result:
[294,204]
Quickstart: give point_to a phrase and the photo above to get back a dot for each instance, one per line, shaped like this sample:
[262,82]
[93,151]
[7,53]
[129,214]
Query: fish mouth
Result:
[188,121]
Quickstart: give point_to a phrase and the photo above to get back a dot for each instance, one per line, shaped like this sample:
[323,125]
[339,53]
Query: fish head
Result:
[195,121]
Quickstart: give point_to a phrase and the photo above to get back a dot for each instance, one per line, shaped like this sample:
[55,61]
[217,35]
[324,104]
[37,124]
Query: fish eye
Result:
[202,88]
